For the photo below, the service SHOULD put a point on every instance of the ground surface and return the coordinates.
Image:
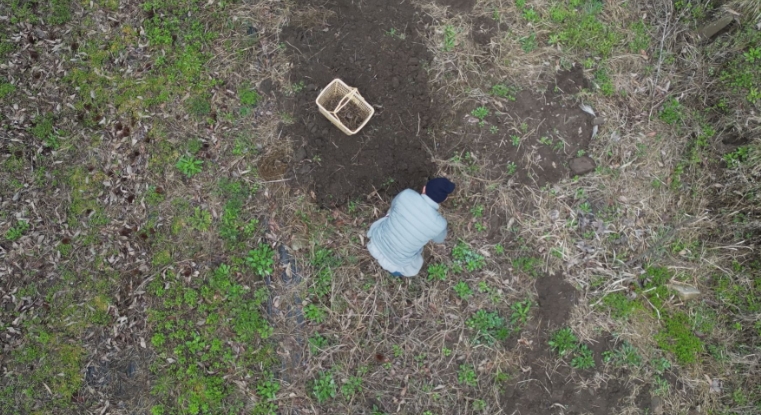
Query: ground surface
(182, 232)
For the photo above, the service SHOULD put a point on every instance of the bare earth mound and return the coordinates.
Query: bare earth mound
(375, 49)
(528, 136)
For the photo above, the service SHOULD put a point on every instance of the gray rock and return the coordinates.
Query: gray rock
(712, 29)
(300, 154)
(598, 121)
(581, 165)
(656, 405)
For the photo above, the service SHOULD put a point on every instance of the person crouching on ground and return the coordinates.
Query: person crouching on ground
(397, 240)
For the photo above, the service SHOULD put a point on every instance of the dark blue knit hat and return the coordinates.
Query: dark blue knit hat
(438, 189)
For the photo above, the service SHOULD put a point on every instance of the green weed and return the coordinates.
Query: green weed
(528, 265)
(467, 375)
(563, 341)
(315, 313)
(467, 258)
(450, 38)
(351, 387)
(528, 43)
(489, 326)
(249, 97)
(189, 166)
(324, 387)
(619, 305)
(317, 343)
(200, 220)
(672, 112)
(14, 233)
(520, 313)
(583, 358)
(261, 260)
(625, 356)
(512, 168)
(480, 113)
(677, 337)
(504, 91)
(437, 272)
(463, 290)
(6, 89)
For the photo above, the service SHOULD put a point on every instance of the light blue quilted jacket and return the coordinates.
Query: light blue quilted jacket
(397, 240)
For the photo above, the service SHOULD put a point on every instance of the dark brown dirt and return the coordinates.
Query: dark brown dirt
(458, 5)
(356, 46)
(484, 29)
(551, 127)
(555, 300)
(545, 388)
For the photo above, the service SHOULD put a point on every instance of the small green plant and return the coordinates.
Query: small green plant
(249, 97)
(199, 106)
(529, 43)
(546, 141)
(511, 168)
(401, 36)
(736, 158)
(494, 129)
(521, 311)
(268, 389)
(677, 337)
(351, 387)
(200, 220)
(477, 211)
(660, 365)
(661, 386)
(619, 305)
(437, 272)
(529, 265)
(316, 343)
(467, 258)
(189, 166)
(479, 405)
(583, 358)
(530, 15)
(315, 313)
(563, 341)
(6, 89)
(624, 356)
(672, 112)
(503, 91)
(499, 249)
(17, 231)
(261, 260)
(488, 325)
(324, 387)
(450, 38)
(467, 375)
(481, 113)
(515, 140)
(463, 290)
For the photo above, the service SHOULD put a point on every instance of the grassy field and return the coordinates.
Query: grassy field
(157, 255)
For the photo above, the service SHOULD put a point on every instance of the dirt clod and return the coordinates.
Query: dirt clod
(581, 165)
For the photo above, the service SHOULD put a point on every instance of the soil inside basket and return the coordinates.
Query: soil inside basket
(351, 116)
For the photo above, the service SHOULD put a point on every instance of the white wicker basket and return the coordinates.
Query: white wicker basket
(348, 95)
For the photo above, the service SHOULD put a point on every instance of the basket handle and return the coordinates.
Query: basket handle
(344, 101)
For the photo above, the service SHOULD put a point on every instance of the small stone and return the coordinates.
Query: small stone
(131, 369)
(581, 165)
(656, 405)
(598, 121)
(684, 291)
(300, 154)
(712, 29)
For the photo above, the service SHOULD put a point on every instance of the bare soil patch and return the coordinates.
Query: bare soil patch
(458, 5)
(375, 49)
(548, 387)
(538, 132)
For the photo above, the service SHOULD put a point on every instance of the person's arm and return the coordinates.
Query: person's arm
(439, 239)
